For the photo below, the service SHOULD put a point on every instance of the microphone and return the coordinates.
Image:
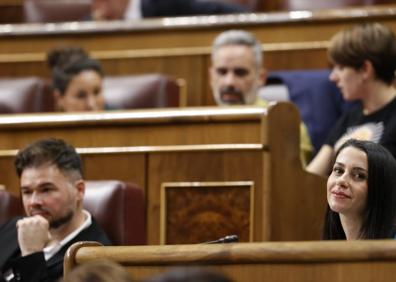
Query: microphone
(223, 240)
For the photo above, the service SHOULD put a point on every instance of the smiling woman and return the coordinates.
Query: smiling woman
(361, 193)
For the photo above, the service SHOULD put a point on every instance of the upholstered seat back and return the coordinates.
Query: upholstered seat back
(24, 95)
(293, 5)
(10, 206)
(48, 11)
(141, 91)
(33, 94)
(319, 101)
(118, 207)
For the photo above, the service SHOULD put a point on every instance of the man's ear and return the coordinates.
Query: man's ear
(262, 76)
(80, 190)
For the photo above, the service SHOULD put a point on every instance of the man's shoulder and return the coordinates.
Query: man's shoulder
(93, 233)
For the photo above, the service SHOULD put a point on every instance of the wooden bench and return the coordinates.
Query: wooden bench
(249, 154)
(180, 47)
(331, 261)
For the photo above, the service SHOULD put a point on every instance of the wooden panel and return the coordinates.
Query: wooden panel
(97, 166)
(211, 166)
(332, 261)
(199, 212)
(124, 167)
(136, 127)
(193, 69)
(195, 145)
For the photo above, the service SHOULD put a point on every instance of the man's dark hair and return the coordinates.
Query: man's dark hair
(49, 151)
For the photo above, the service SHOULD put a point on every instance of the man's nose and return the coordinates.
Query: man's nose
(36, 199)
(230, 78)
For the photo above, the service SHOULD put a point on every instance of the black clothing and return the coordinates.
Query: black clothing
(34, 268)
(379, 126)
(172, 8)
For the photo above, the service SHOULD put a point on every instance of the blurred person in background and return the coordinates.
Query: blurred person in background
(364, 65)
(137, 9)
(98, 271)
(77, 80)
(237, 74)
(190, 274)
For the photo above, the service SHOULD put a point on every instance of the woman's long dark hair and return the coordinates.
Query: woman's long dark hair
(380, 213)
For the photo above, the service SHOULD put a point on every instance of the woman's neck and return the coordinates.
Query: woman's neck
(378, 95)
(352, 226)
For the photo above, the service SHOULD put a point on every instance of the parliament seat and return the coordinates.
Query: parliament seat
(142, 91)
(324, 261)
(24, 95)
(319, 101)
(10, 206)
(33, 94)
(118, 207)
(49, 11)
(293, 5)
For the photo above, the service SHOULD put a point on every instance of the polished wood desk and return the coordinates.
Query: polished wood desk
(180, 47)
(331, 261)
(250, 154)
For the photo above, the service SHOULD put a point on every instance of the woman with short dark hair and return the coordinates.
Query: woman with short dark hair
(364, 65)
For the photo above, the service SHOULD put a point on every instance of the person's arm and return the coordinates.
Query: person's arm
(30, 268)
(321, 163)
(33, 235)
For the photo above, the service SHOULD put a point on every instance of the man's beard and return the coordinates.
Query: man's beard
(240, 98)
(56, 223)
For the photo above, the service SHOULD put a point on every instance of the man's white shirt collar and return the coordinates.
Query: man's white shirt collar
(50, 251)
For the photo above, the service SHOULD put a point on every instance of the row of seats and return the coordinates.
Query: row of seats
(118, 207)
(33, 94)
(317, 98)
(304, 88)
(66, 10)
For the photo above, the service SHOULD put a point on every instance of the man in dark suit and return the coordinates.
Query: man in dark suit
(136, 9)
(52, 189)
